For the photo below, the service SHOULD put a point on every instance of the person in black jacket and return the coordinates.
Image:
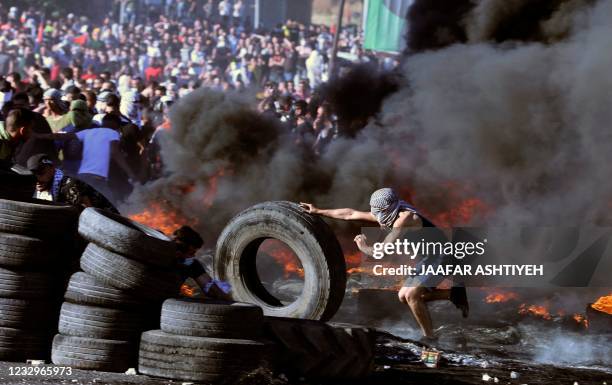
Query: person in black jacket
(53, 185)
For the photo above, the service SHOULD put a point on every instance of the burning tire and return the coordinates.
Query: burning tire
(129, 275)
(19, 251)
(308, 236)
(126, 237)
(100, 323)
(211, 319)
(85, 289)
(314, 349)
(93, 354)
(207, 360)
(38, 218)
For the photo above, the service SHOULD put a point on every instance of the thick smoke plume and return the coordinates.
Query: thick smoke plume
(515, 116)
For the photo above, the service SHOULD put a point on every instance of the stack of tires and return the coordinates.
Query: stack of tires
(128, 270)
(32, 256)
(204, 341)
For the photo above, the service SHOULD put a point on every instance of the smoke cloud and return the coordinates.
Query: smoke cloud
(522, 126)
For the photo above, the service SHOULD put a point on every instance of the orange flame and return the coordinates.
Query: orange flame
(581, 320)
(535, 310)
(187, 291)
(283, 255)
(161, 219)
(501, 296)
(603, 304)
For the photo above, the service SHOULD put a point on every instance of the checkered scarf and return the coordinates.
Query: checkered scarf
(385, 205)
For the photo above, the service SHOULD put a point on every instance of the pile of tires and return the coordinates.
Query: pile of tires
(319, 350)
(312, 241)
(204, 341)
(32, 255)
(128, 270)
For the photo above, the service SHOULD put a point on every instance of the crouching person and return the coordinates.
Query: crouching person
(188, 242)
(53, 185)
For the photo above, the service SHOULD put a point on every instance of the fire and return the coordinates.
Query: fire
(187, 291)
(535, 310)
(581, 320)
(501, 296)
(462, 213)
(283, 255)
(603, 304)
(161, 219)
(211, 190)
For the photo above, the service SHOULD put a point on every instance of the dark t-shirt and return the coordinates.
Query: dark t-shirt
(35, 146)
(194, 270)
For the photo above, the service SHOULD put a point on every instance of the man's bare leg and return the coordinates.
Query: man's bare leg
(413, 297)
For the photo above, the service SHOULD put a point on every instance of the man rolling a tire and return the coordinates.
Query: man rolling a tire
(390, 212)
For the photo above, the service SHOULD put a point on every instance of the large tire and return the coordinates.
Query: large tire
(27, 314)
(85, 289)
(211, 319)
(37, 218)
(126, 237)
(198, 359)
(313, 349)
(100, 323)
(19, 344)
(19, 251)
(311, 240)
(25, 285)
(92, 354)
(129, 275)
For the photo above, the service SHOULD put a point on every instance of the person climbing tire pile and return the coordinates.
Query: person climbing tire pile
(127, 273)
(204, 340)
(30, 288)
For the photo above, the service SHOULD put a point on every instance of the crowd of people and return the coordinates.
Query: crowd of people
(93, 96)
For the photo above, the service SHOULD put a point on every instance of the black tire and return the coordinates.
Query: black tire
(37, 218)
(211, 319)
(313, 349)
(15, 186)
(308, 236)
(126, 274)
(126, 237)
(197, 358)
(92, 354)
(27, 314)
(19, 344)
(100, 323)
(25, 285)
(85, 289)
(19, 251)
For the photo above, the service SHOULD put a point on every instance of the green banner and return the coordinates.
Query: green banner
(385, 25)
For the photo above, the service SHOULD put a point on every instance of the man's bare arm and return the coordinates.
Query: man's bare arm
(345, 214)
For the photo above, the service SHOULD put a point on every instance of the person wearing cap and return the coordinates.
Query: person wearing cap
(52, 185)
(80, 119)
(55, 110)
(101, 145)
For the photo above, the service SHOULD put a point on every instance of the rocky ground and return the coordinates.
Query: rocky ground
(397, 363)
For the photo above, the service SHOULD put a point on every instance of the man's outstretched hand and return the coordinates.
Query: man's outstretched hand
(309, 208)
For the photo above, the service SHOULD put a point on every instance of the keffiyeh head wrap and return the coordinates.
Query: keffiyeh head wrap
(385, 205)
